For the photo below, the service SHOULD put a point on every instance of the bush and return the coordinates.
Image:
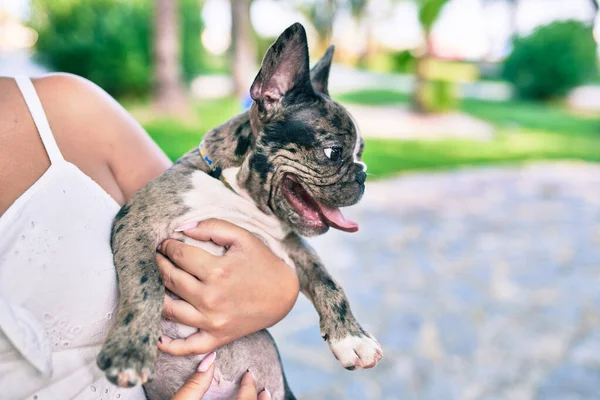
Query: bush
(110, 41)
(552, 60)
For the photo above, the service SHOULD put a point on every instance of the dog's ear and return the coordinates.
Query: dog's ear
(319, 74)
(284, 68)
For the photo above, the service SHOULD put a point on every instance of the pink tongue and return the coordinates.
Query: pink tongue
(335, 219)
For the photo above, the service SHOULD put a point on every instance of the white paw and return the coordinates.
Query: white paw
(355, 352)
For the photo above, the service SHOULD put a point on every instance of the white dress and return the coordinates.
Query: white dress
(58, 287)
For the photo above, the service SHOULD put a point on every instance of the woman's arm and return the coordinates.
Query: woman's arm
(98, 135)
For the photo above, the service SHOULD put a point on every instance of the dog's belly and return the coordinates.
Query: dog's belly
(209, 198)
(221, 391)
(256, 352)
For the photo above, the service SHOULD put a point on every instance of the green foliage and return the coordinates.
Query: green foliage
(552, 60)
(110, 41)
(403, 61)
(429, 11)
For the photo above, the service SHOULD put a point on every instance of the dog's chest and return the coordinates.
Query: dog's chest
(210, 198)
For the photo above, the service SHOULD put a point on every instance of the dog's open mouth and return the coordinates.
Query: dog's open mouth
(311, 210)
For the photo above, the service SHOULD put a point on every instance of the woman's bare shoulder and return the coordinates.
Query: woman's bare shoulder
(93, 129)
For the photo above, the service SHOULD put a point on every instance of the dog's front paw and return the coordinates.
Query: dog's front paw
(356, 351)
(127, 362)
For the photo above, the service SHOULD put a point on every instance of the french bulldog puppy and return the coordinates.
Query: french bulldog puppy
(280, 170)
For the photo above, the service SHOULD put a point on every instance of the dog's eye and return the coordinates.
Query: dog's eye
(333, 153)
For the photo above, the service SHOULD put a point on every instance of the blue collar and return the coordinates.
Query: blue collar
(215, 172)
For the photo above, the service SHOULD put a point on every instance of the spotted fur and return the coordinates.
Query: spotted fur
(285, 131)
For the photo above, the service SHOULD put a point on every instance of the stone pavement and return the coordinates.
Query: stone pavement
(479, 284)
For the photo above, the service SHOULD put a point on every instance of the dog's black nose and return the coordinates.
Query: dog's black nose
(361, 177)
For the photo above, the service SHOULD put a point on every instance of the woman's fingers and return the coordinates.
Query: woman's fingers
(196, 386)
(199, 343)
(264, 395)
(184, 313)
(178, 281)
(247, 388)
(221, 232)
(199, 383)
(190, 258)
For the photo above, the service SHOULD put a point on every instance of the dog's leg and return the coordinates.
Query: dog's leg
(349, 342)
(130, 350)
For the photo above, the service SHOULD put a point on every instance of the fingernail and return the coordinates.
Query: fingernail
(207, 362)
(187, 225)
(252, 373)
(268, 393)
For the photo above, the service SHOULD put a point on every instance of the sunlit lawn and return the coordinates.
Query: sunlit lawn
(526, 131)
(178, 135)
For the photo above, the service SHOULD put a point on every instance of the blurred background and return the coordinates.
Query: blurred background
(477, 264)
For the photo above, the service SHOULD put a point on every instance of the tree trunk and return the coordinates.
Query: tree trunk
(419, 101)
(243, 48)
(369, 48)
(168, 96)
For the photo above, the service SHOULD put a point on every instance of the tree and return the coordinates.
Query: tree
(110, 42)
(358, 9)
(168, 94)
(536, 70)
(242, 46)
(321, 14)
(429, 11)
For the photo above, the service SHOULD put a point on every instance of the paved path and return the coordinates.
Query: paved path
(346, 79)
(400, 122)
(480, 284)
(585, 98)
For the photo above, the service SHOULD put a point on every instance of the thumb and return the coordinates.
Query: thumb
(196, 386)
(200, 342)
(247, 387)
(220, 232)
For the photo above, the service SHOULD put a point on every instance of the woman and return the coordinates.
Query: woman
(70, 156)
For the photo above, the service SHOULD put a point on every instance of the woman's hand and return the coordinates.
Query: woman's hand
(199, 383)
(226, 297)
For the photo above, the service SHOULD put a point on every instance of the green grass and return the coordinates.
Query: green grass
(373, 97)
(528, 115)
(525, 132)
(177, 137)
(389, 157)
(521, 114)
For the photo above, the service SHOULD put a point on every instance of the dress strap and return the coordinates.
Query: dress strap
(39, 118)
